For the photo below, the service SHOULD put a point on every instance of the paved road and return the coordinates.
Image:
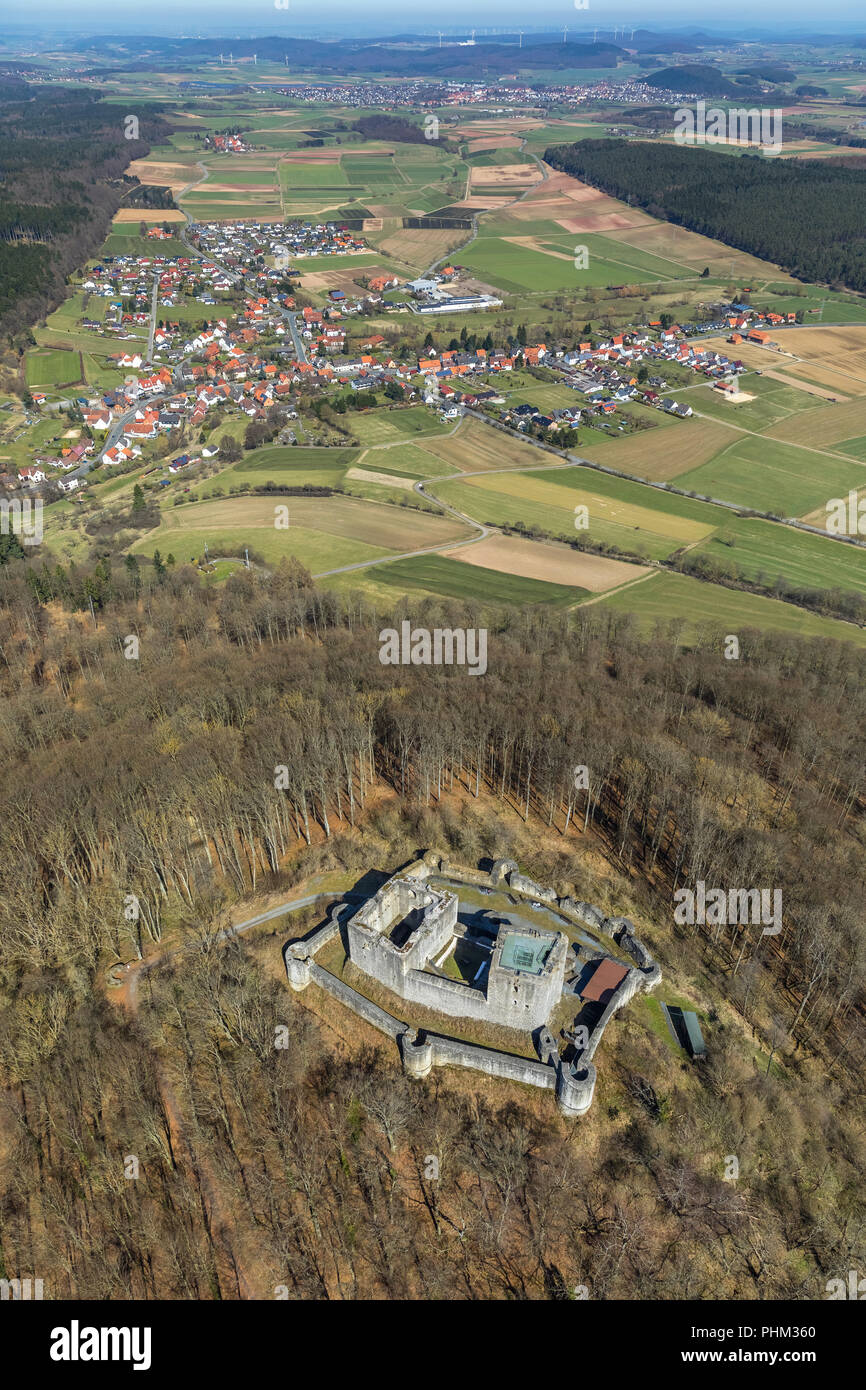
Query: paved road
(153, 306)
(297, 340)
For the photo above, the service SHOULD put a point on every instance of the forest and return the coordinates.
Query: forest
(806, 216)
(64, 154)
(382, 127)
(307, 1168)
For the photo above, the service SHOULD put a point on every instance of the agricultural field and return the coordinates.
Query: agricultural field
(635, 519)
(772, 476)
(762, 550)
(387, 426)
(661, 455)
(553, 564)
(774, 404)
(293, 466)
(445, 577)
(475, 447)
(324, 533)
(690, 606)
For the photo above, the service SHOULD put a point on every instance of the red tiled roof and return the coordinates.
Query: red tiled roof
(604, 981)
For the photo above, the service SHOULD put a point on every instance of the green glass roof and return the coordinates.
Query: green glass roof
(527, 953)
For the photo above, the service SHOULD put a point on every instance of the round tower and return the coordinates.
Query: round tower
(297, 965)
(417, 1054)
(574, 1088)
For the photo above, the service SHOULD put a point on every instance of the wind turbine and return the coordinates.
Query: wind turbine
(472, 39)
(564, 32)
(439, 32)
(520, 44)
(595, 35)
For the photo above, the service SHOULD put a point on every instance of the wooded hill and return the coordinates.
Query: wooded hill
(356, 55)
(155, 778)
(64, 154)
(800, 214)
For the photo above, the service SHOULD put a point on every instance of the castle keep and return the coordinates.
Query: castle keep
(408, 925)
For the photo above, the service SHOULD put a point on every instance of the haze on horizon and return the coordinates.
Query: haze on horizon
(213, 17)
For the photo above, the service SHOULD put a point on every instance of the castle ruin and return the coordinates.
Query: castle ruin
(512, 972)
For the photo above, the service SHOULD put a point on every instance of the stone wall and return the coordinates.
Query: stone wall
(623, 935)
(363, 1007)
(374, 952)
(585, 913)
(573, 1082)
(420, 1054)
(624, 992)
(528, 888)
(444, 995)
(298, 955)
(473, 877)
(452, 1052)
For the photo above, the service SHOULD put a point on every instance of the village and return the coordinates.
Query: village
(263, 351)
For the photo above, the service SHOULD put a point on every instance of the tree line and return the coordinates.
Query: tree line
(803, 215)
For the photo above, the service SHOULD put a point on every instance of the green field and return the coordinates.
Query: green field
(855, 448)
(384, 426)
(293, 465)
(405, 460)
(53, 367)
(316, 176)
(694, 606)
(633, 518)
(774, 401)
(764, 551)
(773, 477)
(438, 574)
(316, 550)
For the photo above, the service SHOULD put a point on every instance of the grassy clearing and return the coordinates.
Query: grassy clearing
(53, 367)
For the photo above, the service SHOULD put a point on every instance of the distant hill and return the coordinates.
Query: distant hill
(452, 60)
(697, 77)
(769, 72)
(645, 41)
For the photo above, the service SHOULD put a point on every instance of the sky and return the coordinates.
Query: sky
(330, 17)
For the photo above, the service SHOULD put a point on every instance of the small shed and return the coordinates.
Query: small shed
(695, 1045)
